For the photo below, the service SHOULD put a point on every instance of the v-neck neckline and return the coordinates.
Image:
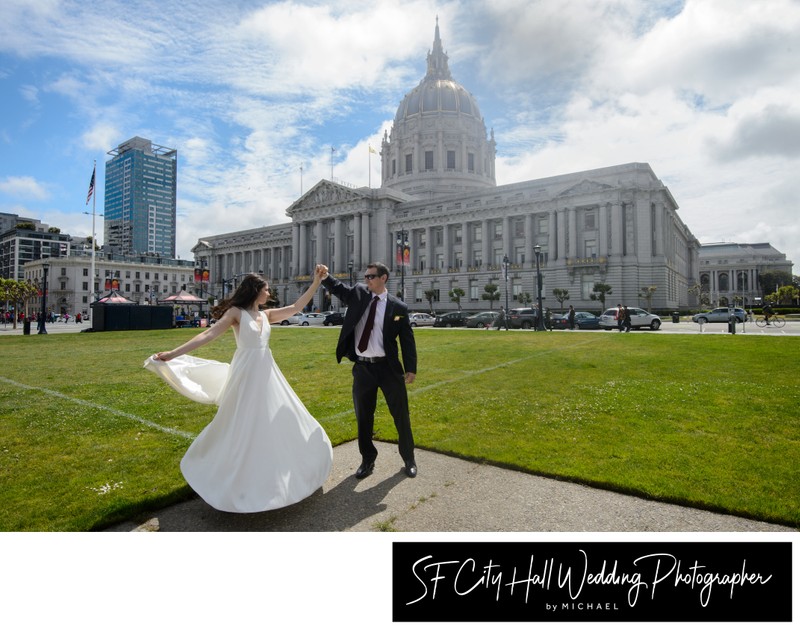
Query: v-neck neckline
(258, 322)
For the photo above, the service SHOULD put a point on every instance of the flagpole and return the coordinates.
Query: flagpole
(369, 167)
(92, 295)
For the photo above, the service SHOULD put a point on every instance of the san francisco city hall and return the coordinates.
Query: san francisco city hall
(438, 198)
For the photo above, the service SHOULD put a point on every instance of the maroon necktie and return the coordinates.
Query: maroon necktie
(364, 341)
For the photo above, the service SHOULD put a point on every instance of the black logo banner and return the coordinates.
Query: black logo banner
(593, 581)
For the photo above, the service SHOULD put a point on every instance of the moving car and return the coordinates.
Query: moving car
(451, 320)
(482, 320)
(522, 318)
(639, 319)
(721, 315)
(421, 319)
(312, 319)
(292, 319)
(584, 320)
(333, 318)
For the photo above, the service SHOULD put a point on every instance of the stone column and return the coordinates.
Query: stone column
(552, 232)
(301, 267)
(530, 238)
(602, 245)
(338, 246)
(466, 245)
(322, 244)
(561, 233)
(356, 244)
(507, 240)
(447, 249)
(429, 247)
(295, 249)
(616, 229)
(488, 239)
(366, 252)
(572, 249)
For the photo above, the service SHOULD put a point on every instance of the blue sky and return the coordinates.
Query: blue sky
(705, 91)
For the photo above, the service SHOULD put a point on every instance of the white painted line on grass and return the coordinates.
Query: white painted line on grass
(116, 412)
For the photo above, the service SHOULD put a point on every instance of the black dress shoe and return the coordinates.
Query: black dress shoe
(365, 470)
(411, 468)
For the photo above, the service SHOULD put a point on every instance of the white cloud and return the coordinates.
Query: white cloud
(24, 187)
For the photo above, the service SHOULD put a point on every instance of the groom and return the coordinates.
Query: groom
(372, 325)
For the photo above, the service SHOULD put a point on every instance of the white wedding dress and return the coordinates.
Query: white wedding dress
(263, 450)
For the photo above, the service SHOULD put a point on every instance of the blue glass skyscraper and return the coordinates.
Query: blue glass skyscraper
(141, 199)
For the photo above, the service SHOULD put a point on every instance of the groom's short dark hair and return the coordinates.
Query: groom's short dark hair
(383, 270)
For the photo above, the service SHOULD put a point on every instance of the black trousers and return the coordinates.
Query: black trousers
(368, 378)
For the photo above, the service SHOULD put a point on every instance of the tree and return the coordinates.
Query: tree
(25, 225)
(54, 230)
(16, 292)
(430, 295)
(456, 293)
(772, 279)
(784, 295)
(702, 296)
(647, 294)
(561, 295)
(600, 291)
(491, 294)
(524, 298)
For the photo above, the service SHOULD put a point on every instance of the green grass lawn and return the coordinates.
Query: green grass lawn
(88, 437)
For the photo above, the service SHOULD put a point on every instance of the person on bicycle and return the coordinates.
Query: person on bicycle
(767, 310)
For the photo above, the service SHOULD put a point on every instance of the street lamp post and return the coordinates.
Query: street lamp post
(537, 249)
(42, 329)
(505, 272)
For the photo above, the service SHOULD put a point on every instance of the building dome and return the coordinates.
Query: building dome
(438, 96)
(438, 144)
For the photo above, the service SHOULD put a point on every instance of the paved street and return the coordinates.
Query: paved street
(686, 327)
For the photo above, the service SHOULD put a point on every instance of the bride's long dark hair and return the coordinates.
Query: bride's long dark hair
(244, 296)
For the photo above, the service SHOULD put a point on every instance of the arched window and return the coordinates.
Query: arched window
(742, 281)
(705, 281)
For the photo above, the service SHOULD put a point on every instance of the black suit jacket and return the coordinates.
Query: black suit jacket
(396, 325)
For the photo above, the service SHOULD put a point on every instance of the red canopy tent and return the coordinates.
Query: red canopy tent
(114, 297)
(182, 297)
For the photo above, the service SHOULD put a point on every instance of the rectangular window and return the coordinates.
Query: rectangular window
(85, 273)
(394, 167)
(477, 233)
(471, 162)
(473, 290)
(519, 255)
(438, 236)
(409, 162)
(428, 160)
(590, 248)
(439, 261)
(418, 292)
(477, 259)
(85, 286)
(519, 228)
(457, 260)
(589, 220)
(457, 235)
(516, 289)
(543, 225)
(422, 262)
(587, 286)
(451, 160)
(498, 229)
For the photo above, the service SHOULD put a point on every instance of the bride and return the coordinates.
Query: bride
(263, 450)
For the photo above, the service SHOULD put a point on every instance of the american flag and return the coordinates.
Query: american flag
(91, 186)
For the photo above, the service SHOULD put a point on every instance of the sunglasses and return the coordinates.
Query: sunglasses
(370, 276)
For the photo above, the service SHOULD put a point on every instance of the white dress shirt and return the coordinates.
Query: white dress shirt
(375, 346)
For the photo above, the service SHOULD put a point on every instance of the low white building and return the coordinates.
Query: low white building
(731, 272)
(141, 279)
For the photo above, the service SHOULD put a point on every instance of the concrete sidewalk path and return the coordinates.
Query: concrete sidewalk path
(449, 495)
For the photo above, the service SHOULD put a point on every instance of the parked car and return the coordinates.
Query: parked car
(451, 320)
(312, 319)
(292, 319)
(482, 320)
(421, 319)
(639, 319)
(583, 320)
(721, 315)
(522, 318)
(333, 318)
